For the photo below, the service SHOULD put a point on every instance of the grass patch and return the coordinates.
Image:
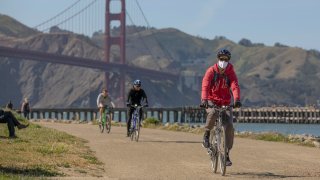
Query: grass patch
(276, 137)
(42, 152)
(92, 159)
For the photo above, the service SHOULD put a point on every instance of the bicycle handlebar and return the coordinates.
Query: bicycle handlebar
(218, 107)
(107, 107)
(136, 106)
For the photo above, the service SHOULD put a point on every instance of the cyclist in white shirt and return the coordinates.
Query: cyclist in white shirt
(103, 101)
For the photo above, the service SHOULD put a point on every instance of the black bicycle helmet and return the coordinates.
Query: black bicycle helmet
(137, 82)
(224, 52)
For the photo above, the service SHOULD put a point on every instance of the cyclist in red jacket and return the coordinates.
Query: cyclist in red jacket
(216, 85)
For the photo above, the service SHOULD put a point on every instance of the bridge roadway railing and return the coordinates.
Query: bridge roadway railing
(191, 115)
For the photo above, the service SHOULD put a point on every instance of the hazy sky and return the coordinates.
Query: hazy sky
(290, 22)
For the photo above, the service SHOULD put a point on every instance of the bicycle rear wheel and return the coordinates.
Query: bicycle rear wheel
(222, 151)
(213, 151)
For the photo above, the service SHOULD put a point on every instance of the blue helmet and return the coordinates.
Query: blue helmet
(224, 52)
(137, 82)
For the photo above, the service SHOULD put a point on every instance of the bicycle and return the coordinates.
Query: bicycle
(218, 149)
(105, 121)
(134, 131)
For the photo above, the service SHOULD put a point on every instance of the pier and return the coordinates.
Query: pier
(194, 115)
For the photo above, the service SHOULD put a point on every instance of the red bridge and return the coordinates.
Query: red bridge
(22, 54)
(69, 17)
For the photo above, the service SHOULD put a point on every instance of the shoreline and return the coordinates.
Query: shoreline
(299, 139)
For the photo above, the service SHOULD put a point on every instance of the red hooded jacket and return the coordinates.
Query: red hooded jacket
(219, 91)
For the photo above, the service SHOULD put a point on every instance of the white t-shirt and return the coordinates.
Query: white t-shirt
(105, 101)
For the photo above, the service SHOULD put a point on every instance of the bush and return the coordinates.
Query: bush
(151, 120)
(245, 42)
(277, 44)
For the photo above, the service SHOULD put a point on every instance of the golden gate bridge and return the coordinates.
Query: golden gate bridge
(87, 17)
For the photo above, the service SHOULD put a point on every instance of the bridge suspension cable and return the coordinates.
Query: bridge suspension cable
(139, 35)
(57, 15)
(80, 17)
(163, 48)
(86, 17)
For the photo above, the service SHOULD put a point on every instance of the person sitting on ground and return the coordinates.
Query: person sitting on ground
(8, 117)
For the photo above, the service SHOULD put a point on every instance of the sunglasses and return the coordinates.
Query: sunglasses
(224, 58)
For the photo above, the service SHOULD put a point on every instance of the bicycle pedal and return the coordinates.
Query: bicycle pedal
(209, 151)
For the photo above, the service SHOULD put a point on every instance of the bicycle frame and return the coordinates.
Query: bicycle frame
(135, 122)
(219, 122)
(135, 117)
(104, 123)
(216, 151)
(105, 113)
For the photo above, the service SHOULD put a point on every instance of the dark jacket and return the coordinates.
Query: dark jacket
(136, 97)
(25, 107)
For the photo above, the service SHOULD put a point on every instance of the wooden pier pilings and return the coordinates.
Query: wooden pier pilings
(298, 115)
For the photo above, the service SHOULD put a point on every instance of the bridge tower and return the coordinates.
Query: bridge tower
(116, 40)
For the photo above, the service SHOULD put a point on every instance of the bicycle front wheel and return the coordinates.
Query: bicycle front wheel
(132, 130)
(222, 151)
(214, 151)
(137, 131)
(102, 126)
(108, 125)
(132, 135)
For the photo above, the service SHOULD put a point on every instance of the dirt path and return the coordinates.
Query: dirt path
(174, 155)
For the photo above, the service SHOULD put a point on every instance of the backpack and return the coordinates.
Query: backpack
(217, 75)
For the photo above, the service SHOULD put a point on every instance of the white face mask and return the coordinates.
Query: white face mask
(222, 64)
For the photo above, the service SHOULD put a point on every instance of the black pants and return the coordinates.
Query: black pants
(11, 122)
(26, 114)
(129, 113)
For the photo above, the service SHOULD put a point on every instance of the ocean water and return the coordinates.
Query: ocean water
(313, 129)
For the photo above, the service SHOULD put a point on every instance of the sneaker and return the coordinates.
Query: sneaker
(206, 136)
(228, 161)
(206, 143)
(22, 126)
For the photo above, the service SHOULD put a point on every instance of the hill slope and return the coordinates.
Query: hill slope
(267, 75)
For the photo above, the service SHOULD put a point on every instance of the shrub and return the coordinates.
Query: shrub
(151, 120)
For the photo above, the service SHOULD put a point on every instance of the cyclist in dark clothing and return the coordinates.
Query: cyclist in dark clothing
(8, 117)
(136, 95)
